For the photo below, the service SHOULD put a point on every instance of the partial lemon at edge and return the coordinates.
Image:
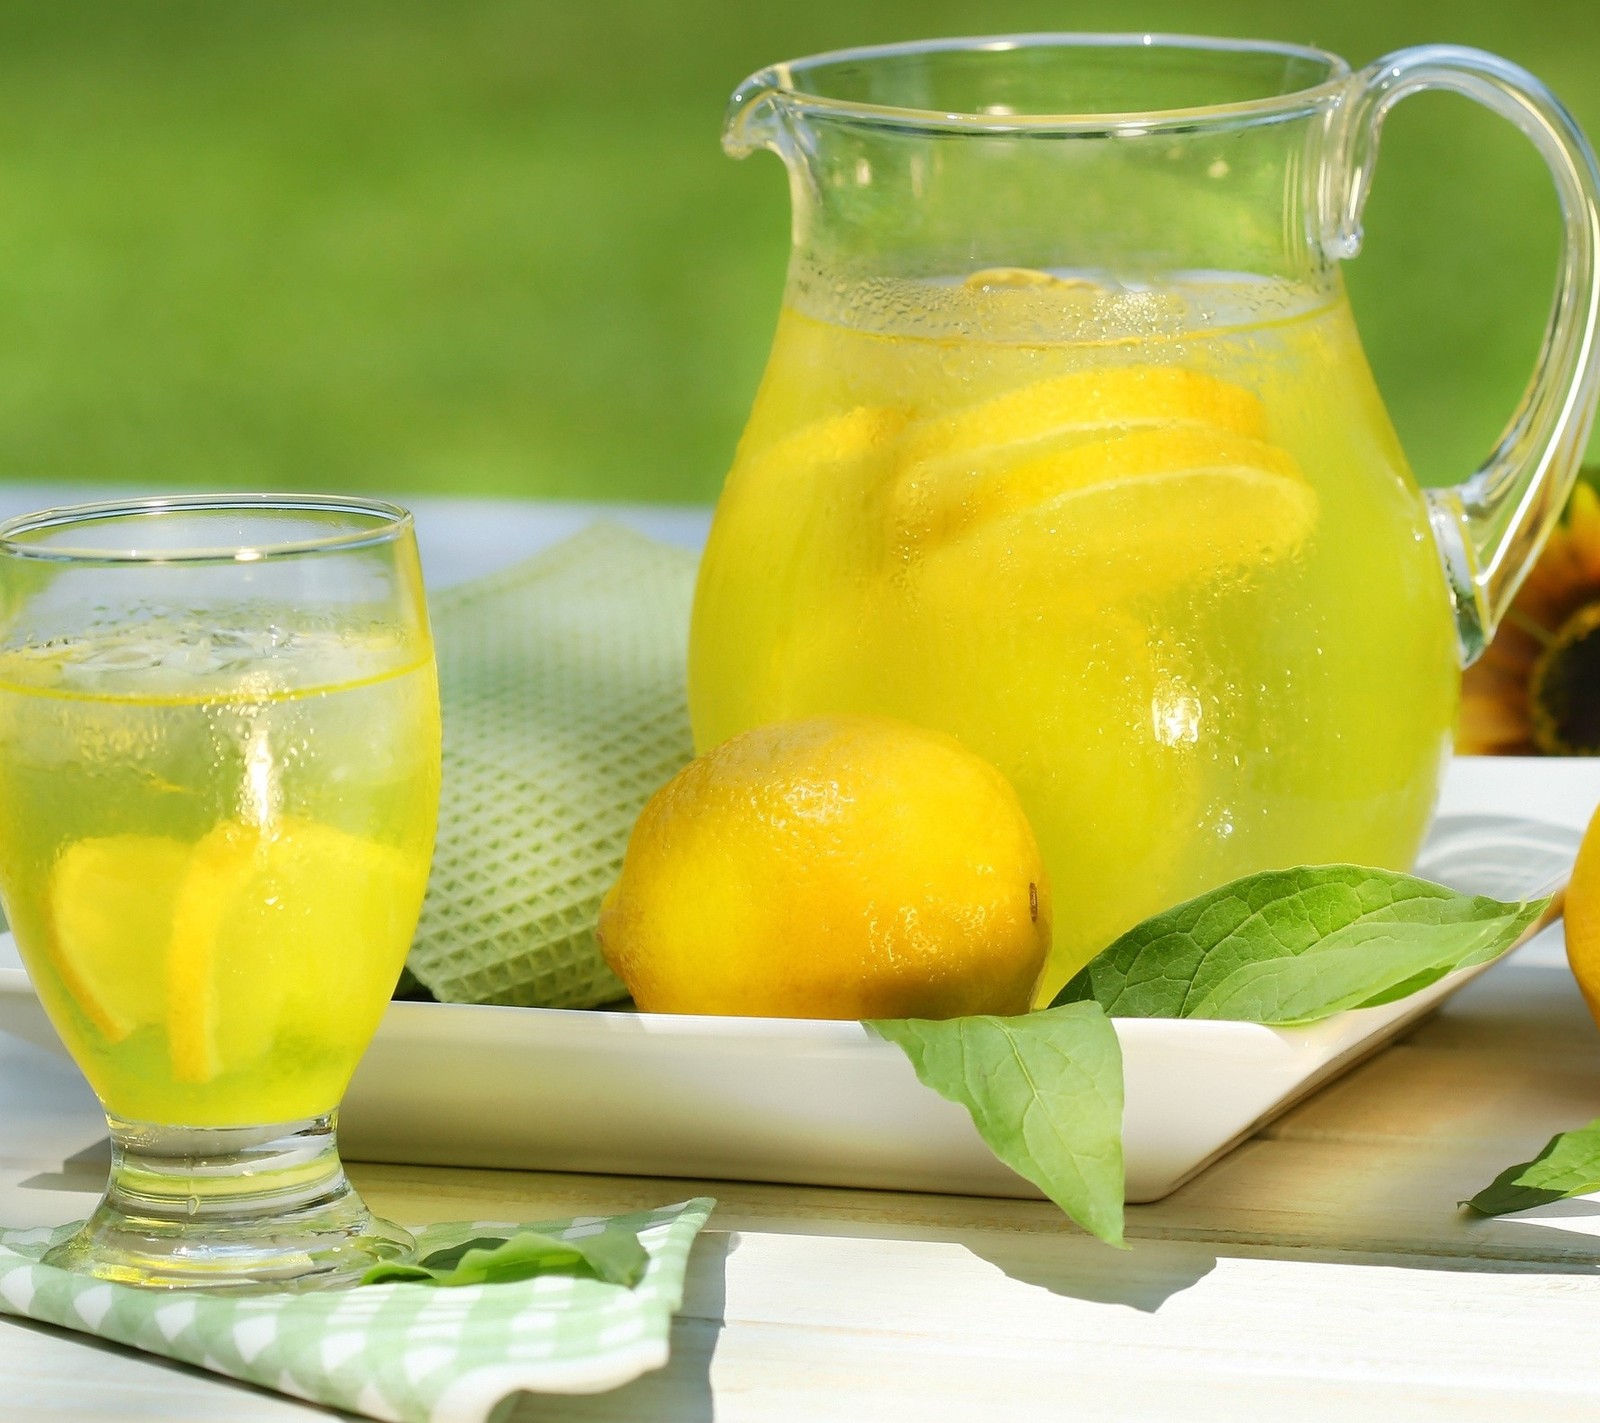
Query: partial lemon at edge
(1582, 914)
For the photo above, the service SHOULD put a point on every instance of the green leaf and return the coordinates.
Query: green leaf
(1569, 1165)
(1044, 1091)
(1293, 946)
(613, 1255)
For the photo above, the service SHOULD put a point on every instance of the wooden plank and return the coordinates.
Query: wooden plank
(772, 1374)
(55, 1376)
(902, 1330)
(1305, 1199)
(778, 1327)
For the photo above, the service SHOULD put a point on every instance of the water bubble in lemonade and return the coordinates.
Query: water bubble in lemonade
(1154, 551)
(215, 846)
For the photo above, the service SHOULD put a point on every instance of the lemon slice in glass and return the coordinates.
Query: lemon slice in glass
(111, 902)
(274, 931)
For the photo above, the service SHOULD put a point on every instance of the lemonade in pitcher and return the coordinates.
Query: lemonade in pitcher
(215, 843)
(1158, 567)
(1067, 446)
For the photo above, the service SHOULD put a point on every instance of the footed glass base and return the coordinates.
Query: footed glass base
(229, 1208)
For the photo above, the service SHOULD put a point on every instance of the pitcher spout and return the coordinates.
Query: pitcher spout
(755, 115)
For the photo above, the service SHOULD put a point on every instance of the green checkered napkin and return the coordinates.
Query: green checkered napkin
(400, 1352)
(562, 682)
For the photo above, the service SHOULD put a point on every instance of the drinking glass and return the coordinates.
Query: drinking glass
(219, 766)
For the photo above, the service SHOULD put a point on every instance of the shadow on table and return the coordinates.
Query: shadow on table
(1082, 1268)
(84, 1170)
(682, 1390)
(1566, 1228)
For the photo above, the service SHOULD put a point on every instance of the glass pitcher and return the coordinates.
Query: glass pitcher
(1067, 445)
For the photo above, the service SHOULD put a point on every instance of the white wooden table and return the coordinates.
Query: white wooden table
(1321, 1271)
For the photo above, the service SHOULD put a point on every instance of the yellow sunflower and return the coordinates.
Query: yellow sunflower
(1536, 690)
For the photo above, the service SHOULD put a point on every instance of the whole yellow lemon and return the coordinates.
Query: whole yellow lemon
(835, 867)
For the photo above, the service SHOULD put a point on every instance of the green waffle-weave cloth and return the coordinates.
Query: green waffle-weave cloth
(400, 1352)
(562, 682)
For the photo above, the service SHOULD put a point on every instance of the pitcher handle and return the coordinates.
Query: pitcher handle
(1490, 529)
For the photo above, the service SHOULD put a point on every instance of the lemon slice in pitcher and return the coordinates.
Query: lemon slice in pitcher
(111, 902)
(1085, 401)
(830, 442)
(1160, 466)
(1157, 507)
(283, 929)
(1256, 490)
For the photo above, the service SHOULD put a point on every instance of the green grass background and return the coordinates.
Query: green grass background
(492, 246)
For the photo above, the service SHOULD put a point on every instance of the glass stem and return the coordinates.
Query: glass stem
(235, 1208)
(197, 1174)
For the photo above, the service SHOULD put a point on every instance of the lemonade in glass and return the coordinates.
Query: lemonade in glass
(219, 758)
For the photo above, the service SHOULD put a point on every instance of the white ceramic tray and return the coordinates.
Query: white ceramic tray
(826, 1103)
